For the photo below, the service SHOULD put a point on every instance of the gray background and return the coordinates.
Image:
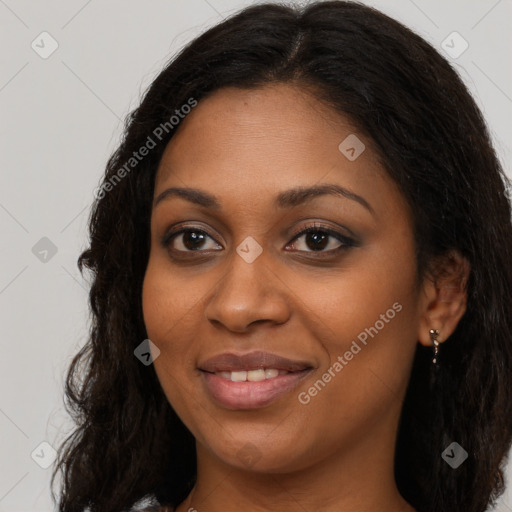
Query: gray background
(61, 117)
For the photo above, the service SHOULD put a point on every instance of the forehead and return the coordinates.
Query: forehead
(241, 131)
(250, 144)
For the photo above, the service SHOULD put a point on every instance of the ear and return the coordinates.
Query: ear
(444, 297)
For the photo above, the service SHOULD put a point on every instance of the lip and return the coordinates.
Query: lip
(230, 362)
(251, 395)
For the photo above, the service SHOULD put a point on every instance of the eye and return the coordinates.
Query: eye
(318, 237)
(190, 240)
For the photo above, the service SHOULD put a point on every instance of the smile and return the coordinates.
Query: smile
(248, 390)
(252, 375)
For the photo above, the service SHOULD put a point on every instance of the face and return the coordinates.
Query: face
(279, 348)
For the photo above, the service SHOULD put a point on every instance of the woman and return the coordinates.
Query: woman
(302, 289)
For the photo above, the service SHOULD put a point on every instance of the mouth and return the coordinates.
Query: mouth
(251, 381)
(256, 375)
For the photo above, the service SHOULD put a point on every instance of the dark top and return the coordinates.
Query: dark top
(153, 508)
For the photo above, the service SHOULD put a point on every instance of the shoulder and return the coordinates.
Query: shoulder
(150, 504)
(155, 508)
(152, 508)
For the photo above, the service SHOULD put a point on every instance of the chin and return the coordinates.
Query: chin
(263, 457)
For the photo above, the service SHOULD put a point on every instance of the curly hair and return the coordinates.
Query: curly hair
(432, 140)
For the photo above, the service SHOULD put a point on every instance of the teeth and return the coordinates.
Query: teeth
(238, 376)
(270, 373)
(256, 375)
(252, 375)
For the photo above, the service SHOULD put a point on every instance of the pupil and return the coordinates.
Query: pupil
(195, 238)
(316, 237)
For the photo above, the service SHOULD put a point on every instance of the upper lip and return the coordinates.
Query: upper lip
(230, 362)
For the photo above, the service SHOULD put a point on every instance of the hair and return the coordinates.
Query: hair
(431, 139)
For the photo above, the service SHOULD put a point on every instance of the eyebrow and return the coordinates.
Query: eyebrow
(287, 199)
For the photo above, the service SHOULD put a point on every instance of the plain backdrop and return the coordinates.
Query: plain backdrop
(61, 118)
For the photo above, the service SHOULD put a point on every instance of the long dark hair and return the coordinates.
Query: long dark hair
(432, 140)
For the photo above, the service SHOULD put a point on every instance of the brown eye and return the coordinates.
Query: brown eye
(189, 241)
(318, 238)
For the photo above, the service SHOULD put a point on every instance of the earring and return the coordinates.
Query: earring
(433, 336)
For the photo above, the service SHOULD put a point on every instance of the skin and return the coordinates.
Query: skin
(335, 452)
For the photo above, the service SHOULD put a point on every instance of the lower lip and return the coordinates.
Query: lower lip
(250, 395)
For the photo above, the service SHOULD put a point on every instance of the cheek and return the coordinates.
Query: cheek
(169, 300)
(164, 314)
(172, 306)
(167, 313)
(367, 316)
(346, 303)
(367, 364)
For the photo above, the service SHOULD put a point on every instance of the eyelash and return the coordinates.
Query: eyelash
(315, 228)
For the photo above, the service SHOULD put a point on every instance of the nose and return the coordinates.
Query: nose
(248, 293)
